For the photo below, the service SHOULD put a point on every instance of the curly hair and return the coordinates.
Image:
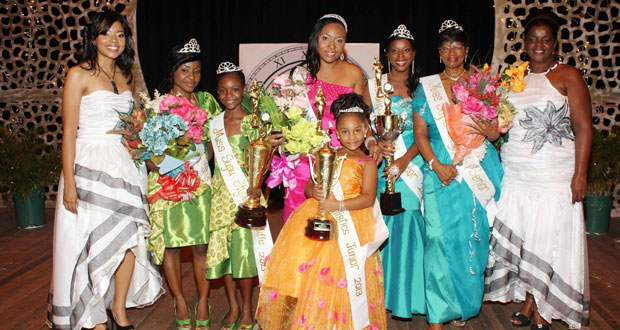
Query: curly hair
(313, 59)
(347, 101)
(99, 24)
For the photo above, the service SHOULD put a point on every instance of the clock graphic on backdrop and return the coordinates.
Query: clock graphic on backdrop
(280, 60)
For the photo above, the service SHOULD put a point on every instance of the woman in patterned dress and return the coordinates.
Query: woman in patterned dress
(183, 223)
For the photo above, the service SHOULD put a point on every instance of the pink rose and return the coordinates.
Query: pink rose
(341, 283)
(490, 88)
(303, 267)
(489, 112)
(274, 295)
(322, 303)
(472, 106)
(460, 92)
(302, 320)
(324, 271)
(311, 262)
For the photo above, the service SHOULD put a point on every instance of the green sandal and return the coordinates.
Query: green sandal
(246, 326)
(203, 324)
(231, 325)
(185, 324)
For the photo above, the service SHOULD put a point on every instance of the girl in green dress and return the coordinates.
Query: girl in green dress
(186, 222)
(230, 253)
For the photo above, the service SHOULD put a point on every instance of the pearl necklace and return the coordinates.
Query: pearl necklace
(454, 78)
(544, 73)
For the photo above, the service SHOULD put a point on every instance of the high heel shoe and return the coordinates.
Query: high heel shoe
(230, 325)
(203, 324)
(185, 324)
(115, 325)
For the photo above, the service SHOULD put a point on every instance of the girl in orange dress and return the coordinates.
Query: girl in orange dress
(305, 284)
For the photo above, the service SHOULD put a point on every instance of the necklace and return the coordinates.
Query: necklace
(544, 73)
(454, 78)
(111, 78)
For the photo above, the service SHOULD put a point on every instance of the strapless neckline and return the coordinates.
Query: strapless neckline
(105, 90)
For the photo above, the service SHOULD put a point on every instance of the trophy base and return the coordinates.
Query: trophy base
(319, 230)
(391, 204)
(251, 217)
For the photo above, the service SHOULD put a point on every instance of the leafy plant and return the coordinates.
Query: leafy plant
(604, 169)
(26, 162)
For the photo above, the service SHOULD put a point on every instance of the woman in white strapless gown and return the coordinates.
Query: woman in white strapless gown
(538, 244)
(100, 260)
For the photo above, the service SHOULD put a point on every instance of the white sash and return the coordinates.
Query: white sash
(300, 74)
(474, 175)
(202, 167)
(354, 258)
(412, 175)
(237, 185)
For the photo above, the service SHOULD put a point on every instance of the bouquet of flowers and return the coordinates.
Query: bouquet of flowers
(166, 127)
(484, 97)
(290, 95)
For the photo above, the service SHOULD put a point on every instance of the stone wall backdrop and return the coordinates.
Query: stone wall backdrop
(590, 41)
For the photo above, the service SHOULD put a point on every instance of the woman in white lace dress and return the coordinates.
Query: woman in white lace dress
(100, 260)
(538, 245)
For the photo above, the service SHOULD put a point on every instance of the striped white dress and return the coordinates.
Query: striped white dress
(111, 219)
(538, 243)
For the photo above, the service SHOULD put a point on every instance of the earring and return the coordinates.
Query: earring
(413, 66)
(389, 68)
(440, 59)
(342, 56)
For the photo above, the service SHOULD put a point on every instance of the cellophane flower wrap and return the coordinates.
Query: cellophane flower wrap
(165, 125)
(289, 93)
(483, 96)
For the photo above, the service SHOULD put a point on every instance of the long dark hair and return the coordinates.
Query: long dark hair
(175, 60)
(99, 24)
(313, 59)
(454, 35)
(413, 78)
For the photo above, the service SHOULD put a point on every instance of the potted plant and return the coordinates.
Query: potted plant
(27, 164)
(603, 175)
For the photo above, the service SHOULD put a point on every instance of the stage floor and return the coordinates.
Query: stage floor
(26, 265)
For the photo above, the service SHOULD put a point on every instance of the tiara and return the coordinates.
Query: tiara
(449, 24)
(226, 67)
(338, 17)
(354, 109)
(190, 47)
(401, 32)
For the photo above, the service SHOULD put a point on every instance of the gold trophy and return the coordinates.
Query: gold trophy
(257, 156)
(325, 172)
(388, 128)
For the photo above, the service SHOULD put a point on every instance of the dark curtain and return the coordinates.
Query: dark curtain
(220, 26)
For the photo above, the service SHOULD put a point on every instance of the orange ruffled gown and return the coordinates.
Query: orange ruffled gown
(305, 283)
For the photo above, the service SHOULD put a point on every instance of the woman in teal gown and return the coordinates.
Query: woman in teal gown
(403, 251)
(457, 229)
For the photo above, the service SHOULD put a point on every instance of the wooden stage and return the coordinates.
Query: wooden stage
(26, 265)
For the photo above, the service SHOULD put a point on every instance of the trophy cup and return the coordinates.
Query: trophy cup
(324, 172)
(257, 156)
(388, 128)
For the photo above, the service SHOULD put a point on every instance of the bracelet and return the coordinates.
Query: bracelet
(430, 164)
(368, 139)
(342, 207)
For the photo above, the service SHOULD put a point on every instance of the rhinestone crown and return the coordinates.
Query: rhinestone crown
(226, 67)
(190, 47)
(449, 24)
